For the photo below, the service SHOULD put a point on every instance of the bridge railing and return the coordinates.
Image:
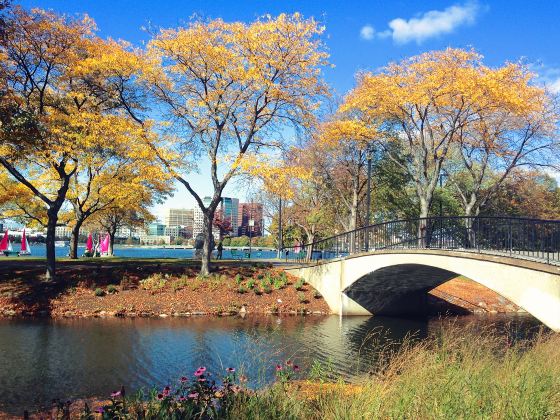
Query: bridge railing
(517, 237)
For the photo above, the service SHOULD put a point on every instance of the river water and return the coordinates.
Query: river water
(75, 358)
(38, 250)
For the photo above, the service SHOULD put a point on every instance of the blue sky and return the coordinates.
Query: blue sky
(360, 35)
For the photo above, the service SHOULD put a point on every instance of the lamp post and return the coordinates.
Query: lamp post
(280, 228)
(368, 196)
(441, 210)
(251, 224)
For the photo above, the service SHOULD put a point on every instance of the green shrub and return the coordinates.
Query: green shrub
(279, 283)
(111, 289)
(317, 295)
(99, 292)
(241, 290)
(257, 291)
(238, 279)
(180, 283)
(301, 297)
(260, 276)
(299, 284)
(251, 284)
(154, 282)
(267, 280)
(266, 288)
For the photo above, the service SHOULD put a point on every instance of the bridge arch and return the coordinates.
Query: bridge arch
(392, 282)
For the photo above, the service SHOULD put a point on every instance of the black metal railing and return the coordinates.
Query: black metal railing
(517, 237)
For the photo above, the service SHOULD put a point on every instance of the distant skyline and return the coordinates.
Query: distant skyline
(360, 35)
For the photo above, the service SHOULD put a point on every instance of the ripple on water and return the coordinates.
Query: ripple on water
(75, 358)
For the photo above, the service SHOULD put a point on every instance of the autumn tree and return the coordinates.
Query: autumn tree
(526, 193)
(58, 95)
(517, 129)
(229, 90)
(422, 103)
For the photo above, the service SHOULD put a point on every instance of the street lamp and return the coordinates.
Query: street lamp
(251, 225)
(368, 197)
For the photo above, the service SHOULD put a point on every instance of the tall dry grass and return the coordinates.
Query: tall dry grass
(457, 373)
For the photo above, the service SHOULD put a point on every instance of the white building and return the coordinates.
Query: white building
(198, 217)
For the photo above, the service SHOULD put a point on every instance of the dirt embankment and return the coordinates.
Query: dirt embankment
(142, 288)
(156, 289)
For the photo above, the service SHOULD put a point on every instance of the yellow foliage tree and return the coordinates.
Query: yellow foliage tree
(426, 104)
(59, 92)
(230, 89)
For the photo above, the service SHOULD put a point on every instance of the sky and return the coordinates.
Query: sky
(360, 35)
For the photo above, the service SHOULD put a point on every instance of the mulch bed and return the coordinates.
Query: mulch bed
(23, 293)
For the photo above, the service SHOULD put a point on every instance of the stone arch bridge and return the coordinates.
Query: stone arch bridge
(388, 268)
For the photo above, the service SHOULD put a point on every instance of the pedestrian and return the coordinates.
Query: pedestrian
(220, 249)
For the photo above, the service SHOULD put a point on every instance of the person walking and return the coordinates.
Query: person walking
(220, 248)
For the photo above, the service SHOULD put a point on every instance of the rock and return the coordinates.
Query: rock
(243, 310)
(9, 312)
(102, 313)
(163, 315)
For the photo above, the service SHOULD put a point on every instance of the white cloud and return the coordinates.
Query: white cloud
(367, 32)
(430, 24)
(554, 86)
(547, 76)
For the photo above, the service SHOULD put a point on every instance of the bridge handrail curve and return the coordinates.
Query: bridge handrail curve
(521, 237)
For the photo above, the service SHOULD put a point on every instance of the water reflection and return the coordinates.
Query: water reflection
(74, 358)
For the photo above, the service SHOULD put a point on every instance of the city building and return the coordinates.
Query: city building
(248, 212)
(63, 232)
(226, 211)
(179, 217)
(179, 232)
(156, 229)
(155, 239)
(229, 213)
(198, 220)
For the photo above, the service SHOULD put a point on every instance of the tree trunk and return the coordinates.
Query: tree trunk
(112, 234)
(49, 242)
(208, 240)
(74, 239)
(423, 222)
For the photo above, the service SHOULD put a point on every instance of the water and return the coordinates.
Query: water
(39, 250)
(76, 358)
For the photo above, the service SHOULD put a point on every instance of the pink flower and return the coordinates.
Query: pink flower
(200, 371)
(202, 379)
(182, 399)
(296, 368)
(230, 370)
(289, 363)
(242, 378)
(278, 368)
(166, 391)
(184, 379)
(115, 394)
(193, 395)
(160, 396)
